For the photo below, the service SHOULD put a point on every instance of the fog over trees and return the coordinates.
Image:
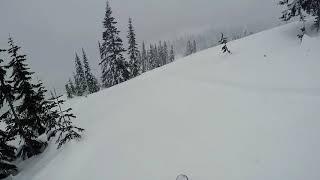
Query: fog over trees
(67, 32)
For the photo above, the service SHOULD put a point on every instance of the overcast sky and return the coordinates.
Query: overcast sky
(50, 31)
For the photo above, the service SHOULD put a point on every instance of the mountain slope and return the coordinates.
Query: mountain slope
(245, 116)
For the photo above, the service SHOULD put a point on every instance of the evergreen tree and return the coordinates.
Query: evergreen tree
(156, 56)
(223, 41)
(296, 8)
(114, 67)
(7, 152)
(7, 155)
(162, 53)
(72, 87)
(144, 58)
(316, 12)
(45, 108)
(172, 54)
(77, 85)
(161, 58)
(30, 114)
(63, 126)
(101, 57)
(152, 57)
(30, 124)
(91, 81)
(189, 48)
(7, 91)
(133, 51)
(68, 91)
(194, 47)
(148, 65)
(100, 50)
(80, 79)
(165, 53)
(140, 64)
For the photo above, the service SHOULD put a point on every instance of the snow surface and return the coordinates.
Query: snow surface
(252, 115)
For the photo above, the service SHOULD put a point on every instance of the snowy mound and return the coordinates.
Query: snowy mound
(251, 115)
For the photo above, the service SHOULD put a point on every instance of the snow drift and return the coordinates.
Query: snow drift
(250, 115)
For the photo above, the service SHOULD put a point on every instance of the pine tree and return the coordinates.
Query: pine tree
(7, 152)
(77, 85)
(316, 13)
(31, 114)
(101, 64)
(68, 91)
(100, 50)
(91, 80)
(172, 54)
(63, 126)
(223, 41)
(157, 56)
(29, 125)
(152, 57)
(148, 65)
(45, 108)
(114, 66)
(7, 155)
(144, 58)
(165, 53)
(133, 51)
(194, 46)
(72, 87)
(160, 55)
(6, 91)
(80, 79)
(140, 64)
(188, 49)
(296, 8)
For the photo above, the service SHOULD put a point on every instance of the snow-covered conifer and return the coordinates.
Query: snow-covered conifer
(294, 8)
(189, 48)
(172, 54)
(144, 58)
(165, 53)
(29, 125)
(63, 126)
(113, 64)
(194, 46)
(91, 81)
(133, 51)
(80, 79)
(7, 152)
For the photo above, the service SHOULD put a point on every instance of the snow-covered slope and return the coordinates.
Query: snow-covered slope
(252, 115)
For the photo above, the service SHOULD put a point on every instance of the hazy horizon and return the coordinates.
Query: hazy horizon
(51, 31)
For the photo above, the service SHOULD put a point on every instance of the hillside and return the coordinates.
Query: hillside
(246, 116)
